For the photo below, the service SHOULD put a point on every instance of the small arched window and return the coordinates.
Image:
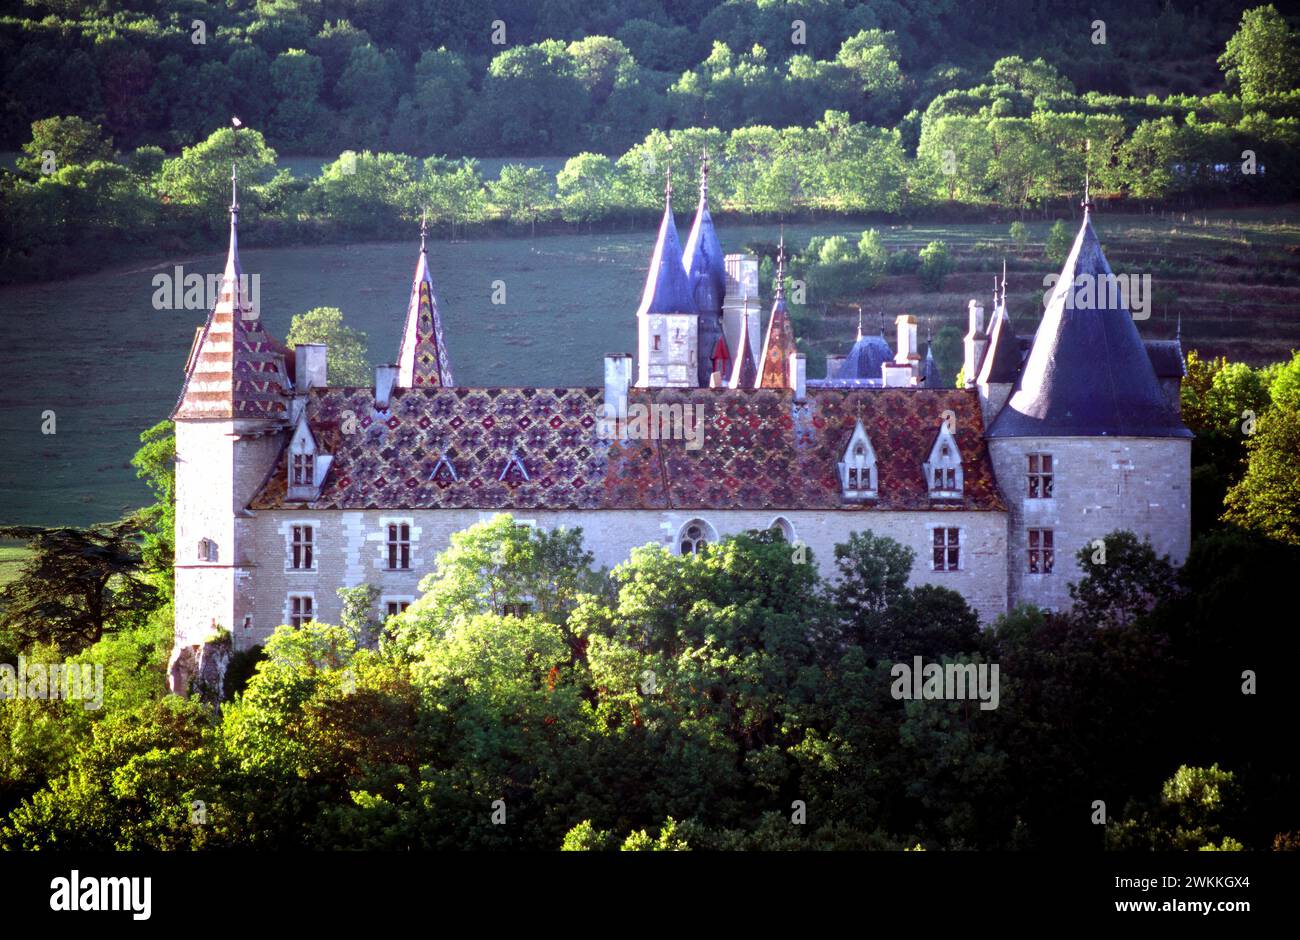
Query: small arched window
(694, 537)
(782, 528)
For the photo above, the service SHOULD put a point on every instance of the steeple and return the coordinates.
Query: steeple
(1002, 360)
(779, 347)
(1088, 373)
(706, 271)
(744, 374)
(667, 287)
(236, 368)
(422, 360)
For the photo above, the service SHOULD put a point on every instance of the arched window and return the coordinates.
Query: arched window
(694, 536)
(782, 527)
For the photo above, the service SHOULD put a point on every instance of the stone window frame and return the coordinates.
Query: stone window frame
(208, 550)
(1040, 479)
(950, 466)
(394, 543)
(783, 525)
(401, 600)
(296, 618)
(933, 529)
(859, 446)
(1041, 558)
(708, 536)
(312, 544)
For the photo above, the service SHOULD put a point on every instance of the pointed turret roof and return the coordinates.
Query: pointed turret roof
(778, 347)
(667, 287)
(1002, 361)
(236, 368)
(1087, 374)
(422, 360)
(929, 368)
(744, 374)
(703, 253)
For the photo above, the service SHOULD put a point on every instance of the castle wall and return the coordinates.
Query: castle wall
(350, 549)
(1100, 485)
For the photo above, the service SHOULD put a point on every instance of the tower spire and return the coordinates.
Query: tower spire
(780, 266)
(704, 175)
(422, 359)
(859, 321)
(1087, 180)
(424, 229)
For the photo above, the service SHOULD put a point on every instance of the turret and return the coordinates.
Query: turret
(422, 359)
(708, 277)
(667, 321)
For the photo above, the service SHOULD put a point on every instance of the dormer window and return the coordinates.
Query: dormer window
(307, 466)
(943, 470)
(304, 469)
(858, 468)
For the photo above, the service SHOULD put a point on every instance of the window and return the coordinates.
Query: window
(300, 548)
(399, 547)
(694, 537)
(1041, 556)
(943, 469)
(304, 470)
(947, 549)
(300, 609)
(520, 609)
(656, 342)
(1040, 476)
(207, 550)
(782, 528)
(858, 467)
(394, 608)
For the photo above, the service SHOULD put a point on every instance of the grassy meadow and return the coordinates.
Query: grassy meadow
(95, 352)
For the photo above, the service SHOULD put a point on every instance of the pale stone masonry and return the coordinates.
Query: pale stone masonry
(288, 488)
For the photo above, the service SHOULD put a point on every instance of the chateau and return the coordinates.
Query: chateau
(288, 488)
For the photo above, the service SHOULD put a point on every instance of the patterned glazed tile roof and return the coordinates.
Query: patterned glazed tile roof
(236, 368)
(760, 450)
(422, 359)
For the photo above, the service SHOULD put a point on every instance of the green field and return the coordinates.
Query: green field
(11, 561)
(95, 352)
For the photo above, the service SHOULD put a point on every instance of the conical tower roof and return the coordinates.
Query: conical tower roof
(1002, 361)
(1088, 373)
(667, 287)
(422, 360)
(703, 254)
(236, 368)
(744, 373)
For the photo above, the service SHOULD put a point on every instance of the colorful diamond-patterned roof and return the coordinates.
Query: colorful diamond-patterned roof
(236, 369)
(761, 450)
(422, 360)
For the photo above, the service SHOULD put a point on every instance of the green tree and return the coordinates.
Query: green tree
(936, 264)
(72, 141)
(200, 176)
(522, 191)
(1267, 497)
(1019, 235)
(1122, 580)
(1197, 805)
(347, 358)
(75, 585)
(1059, 242)
(155, 463)
(1263, 56)
(585, 187)
(873, 572)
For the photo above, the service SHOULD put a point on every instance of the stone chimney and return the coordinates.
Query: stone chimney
(618, 376)
(908, 353)
(385, 378)
(833, 364)
(799, 376)
(974, 344)
(896, 374)
(309, 366)
(741, 303)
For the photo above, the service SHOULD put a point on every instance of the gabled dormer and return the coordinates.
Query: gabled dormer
(943, 474)
(306, 464)
(857, 468)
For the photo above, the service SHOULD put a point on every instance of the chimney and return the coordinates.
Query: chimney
(309, 365)
(385, 378)
(908, 353)
(974, 344)
(833, 364)
(618, 376)
(896, 374)
(799, 376)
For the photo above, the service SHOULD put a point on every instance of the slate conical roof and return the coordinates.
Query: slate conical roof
(1001, 363)
(1088, 373)
(667, 287)
(866, 358)
(744, 373)
(703, 254)
(707, 274)
(422, 360)
(236, 368)
(778, 347)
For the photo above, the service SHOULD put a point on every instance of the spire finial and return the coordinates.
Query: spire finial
(704, 175)
(424, 227)
(780, 266)
(1004, 282)
(882, 322)
(1178, 329)
(235, 125)
(668, 177)
(1087, 179)
(859, 321)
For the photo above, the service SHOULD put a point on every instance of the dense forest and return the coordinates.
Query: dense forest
(807, 108)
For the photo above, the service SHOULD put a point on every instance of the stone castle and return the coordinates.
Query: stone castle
(288, 488)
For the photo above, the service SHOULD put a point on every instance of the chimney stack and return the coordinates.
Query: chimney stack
(309, 366)
(908, 353)
(799, 376)
(974, 344)
(833, 364)
(385, 378)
